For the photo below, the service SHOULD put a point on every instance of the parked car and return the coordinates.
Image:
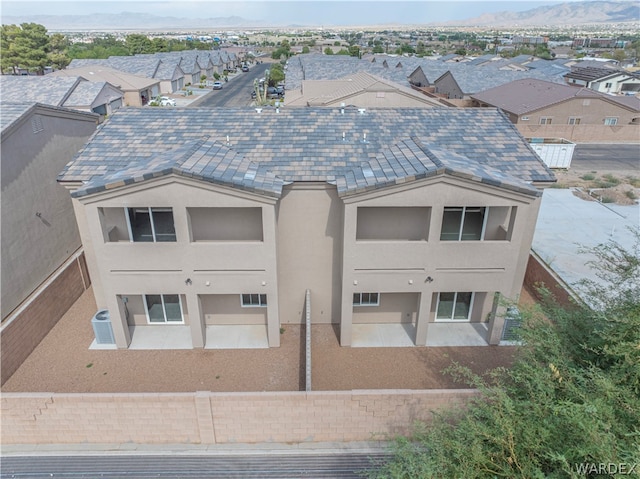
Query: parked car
(275, 92)
(217, 85)
(162, 101)
(245, 68)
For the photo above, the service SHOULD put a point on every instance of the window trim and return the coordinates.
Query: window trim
(545, 120)
(455, 300)
(462, 220)
(164, 311)
(151, 220)
(261, 303)
(366, 304)
(574, 120)
(608, 119)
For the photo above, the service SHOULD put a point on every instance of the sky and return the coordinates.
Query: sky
(285, 12)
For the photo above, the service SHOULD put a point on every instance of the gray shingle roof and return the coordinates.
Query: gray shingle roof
(10, 112)
(267, 150)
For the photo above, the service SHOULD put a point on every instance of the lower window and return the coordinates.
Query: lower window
(163, 308)
(454, 306)
(366, 299)
(253, 300)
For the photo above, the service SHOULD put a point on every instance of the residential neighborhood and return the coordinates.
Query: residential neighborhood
(268, 244)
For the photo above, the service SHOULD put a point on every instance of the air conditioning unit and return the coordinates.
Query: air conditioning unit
(102, 329)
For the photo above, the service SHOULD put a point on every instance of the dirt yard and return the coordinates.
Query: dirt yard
(621, 187)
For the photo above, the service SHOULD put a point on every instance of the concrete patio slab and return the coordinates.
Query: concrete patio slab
(252, 336)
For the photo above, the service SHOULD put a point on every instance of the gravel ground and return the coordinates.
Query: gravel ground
(62, 363)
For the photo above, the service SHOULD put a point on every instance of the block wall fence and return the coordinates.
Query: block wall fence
(219, 418)
(23, 330)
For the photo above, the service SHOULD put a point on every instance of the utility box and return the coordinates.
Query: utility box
(102, 329)
(555, 152)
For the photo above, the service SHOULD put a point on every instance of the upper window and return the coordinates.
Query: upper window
(366, 299)
(151, 224)
(608, 85)
(163, 308)
(454, 306)
(574, 120)
(253, 300)
(545, 120)
(611, 121)
(463, 223)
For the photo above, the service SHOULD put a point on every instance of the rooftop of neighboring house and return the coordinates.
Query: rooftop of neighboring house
(527, 95)
(321, 93)
(41, 89)
(470, 77)
(263, 151)
(72, 92)
(12, 112)
(590, 73)
(124, 81)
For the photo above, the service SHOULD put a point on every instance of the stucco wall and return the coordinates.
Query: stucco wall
(39, 230)
(309, 252)
(583, 133)
(218, 418)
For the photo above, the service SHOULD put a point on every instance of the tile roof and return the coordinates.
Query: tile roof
(124, 81)
(527, 95)
(36, 89)
(470, 77)
(267, 150)
(10, 112)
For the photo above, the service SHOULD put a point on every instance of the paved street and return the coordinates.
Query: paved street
(608, 157)
(236, 92)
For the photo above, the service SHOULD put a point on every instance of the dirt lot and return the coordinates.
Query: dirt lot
(63, 363)
(621, 187)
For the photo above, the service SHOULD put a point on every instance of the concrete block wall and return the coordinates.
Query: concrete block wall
(218, 418)
(22, 331)
(538, 274)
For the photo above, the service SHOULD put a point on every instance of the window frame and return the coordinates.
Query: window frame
(610, 120)
(453, 309)
(262, 300)
(462, 222)
(545, 120)
(369, 303)
(574, 120)
(164, 309)
(154, 235)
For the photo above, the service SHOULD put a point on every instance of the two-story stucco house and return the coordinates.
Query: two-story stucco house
(193, 219)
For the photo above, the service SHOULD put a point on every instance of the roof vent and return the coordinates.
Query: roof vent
(342, 108)
(258, 110)
(362, 110)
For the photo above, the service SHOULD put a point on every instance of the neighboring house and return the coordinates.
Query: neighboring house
(72, 92)
(416, 218)
(604, 80)
(166, 71)
(40, 239)
(360, 89)
(137, 90)
(453, 81)
(550, 110)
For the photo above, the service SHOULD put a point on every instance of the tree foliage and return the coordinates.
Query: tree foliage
(29, 47)
(569, 403)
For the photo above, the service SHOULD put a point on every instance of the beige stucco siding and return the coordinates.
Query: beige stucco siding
(227, 309)
(182, 267)
(393, 308)
(309, 251)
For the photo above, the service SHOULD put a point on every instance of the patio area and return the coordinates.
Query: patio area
(63, 361)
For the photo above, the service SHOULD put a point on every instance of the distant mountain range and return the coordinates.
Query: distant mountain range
(129, 21)
(570, 13)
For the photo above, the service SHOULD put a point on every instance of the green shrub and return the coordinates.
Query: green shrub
(588, 177)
